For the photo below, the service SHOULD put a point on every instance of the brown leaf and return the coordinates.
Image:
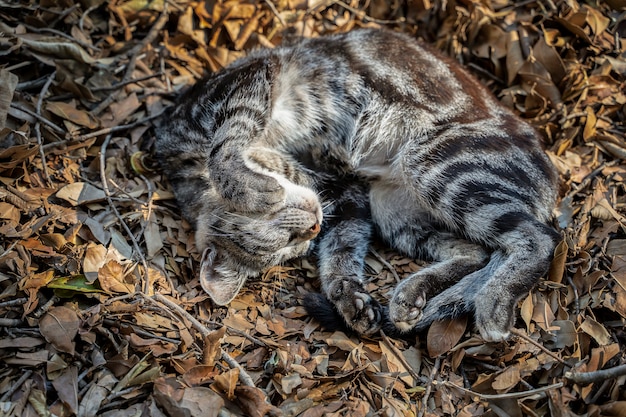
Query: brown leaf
(66, 386)
(68, 111)
(228, 381)
(8, 82)
(59, 326)
(178, 400)
(444, 335)
(80, 193)
(112, 278)
(557, 267)
(596, 330)
(253, 401)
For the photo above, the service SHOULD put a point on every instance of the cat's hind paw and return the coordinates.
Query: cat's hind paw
(405, 312)
(495, 327)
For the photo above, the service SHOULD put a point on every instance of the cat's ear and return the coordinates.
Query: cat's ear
(222, 284)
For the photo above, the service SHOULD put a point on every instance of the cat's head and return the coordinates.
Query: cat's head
(238, 245)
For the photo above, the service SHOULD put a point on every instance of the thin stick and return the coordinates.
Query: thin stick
(431, 379)
(124, 83)
(273, 8)
(62, 35)
(585, 182)
(521, 394)
(16, 386)
(386, 264)
(9, 322)
(42, 153)
(134, 53)
(38, 117)
(101, 132)
(9, 249)
(15, 302)
(241, 333)
(365, 17)
(524, 336)
(107, 194)
(400, 357)
(244, 377)
(584, 378)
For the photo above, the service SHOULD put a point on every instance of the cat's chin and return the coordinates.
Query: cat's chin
(293, 251)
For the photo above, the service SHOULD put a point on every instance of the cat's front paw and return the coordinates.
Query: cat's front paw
(361, 312)
(405, 310)
(266, 195)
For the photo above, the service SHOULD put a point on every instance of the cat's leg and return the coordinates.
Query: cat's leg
(454, 258)
(341, 251)
(409, 229)
(527, 247)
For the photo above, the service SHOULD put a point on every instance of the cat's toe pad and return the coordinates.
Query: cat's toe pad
(405, 314)
(361, 312)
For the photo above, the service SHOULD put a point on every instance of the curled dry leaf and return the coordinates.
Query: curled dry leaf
(114, 279)
(178, 400)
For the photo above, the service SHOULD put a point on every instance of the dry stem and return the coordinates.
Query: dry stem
(244, 377)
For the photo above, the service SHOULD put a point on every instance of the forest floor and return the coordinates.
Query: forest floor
(101, 311)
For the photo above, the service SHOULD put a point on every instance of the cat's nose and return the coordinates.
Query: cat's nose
(312, 232)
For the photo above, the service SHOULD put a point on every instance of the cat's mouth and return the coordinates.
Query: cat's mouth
(301, 236)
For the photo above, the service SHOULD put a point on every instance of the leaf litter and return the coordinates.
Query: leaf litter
(101, 311)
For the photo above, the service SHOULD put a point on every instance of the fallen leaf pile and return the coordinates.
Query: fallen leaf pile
(101, 311)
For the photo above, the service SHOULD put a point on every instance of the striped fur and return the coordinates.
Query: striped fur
(365, 133)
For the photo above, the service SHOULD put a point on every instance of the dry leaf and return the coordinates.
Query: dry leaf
(80, 193)
(444, 335)
(59, 326)
(112, 278)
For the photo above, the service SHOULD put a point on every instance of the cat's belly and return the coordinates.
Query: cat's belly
(399, 218)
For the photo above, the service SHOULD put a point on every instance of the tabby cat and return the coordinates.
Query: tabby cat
(331, 140)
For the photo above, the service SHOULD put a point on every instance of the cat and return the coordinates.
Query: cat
(322, 144)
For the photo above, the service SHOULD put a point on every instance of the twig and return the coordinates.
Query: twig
(16, 386)
(101, 132)
(81, 22)
(584, 378)
(38, 117)
(527, 338)
(244, 377)
(521, 394)
(9, 322)
(14, 302)
(124, 83)
(570, 281)
(62, 35)
(431, 379)
(386, 264)
(107, 194)
(364, 16)
(585, 182)
(278, 16)
(400, 357)
(9, 249)
(63, 14)
(42, 153)
(46, 306)
(240, 333)
(134, 53)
